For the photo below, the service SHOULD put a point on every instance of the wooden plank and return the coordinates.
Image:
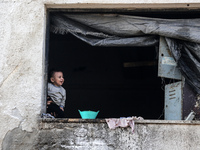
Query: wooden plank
(139, 64)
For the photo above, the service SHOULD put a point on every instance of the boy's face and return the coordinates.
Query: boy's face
(57, 79)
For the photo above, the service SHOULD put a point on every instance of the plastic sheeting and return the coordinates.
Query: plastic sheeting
(187, 56)
(182, 36)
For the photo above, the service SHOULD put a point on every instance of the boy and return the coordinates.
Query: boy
(56, 95)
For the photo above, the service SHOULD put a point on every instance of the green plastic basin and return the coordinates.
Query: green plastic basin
(88, 114)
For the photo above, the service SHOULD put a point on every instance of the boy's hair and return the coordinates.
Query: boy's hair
(52, 72)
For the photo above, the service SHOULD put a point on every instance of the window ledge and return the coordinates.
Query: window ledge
(78, 120)
(72, 120)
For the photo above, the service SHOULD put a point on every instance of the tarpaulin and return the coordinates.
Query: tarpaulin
(182, 35)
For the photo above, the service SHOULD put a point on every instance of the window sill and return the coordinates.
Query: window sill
(78, 120)
(72, 120)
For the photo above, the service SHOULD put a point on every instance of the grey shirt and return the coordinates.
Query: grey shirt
(57, 94)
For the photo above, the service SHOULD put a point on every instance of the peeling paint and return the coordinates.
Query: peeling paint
(16, 113)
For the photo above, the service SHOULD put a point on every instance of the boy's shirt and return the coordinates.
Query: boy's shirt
(57, 94)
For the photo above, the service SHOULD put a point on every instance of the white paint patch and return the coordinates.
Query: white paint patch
(15, 113)
(82, 132)
(98, 142)
(169, 61)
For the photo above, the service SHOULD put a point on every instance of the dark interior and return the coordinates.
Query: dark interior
(98, 78)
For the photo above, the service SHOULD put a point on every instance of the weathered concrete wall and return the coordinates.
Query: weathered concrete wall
(54, 134)
(22, 45)
(149, 135)
(21, 57)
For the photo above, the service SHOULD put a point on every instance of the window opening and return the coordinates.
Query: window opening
(118, 81)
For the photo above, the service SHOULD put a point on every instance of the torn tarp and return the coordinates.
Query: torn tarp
(187, 56)
(123, 30)
(102, 35)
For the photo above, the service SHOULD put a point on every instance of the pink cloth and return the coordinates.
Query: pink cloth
(122, 122)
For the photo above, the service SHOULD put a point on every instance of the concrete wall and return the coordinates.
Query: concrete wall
(81, 135)
(148, 135)
(21, 65)
(22, 45)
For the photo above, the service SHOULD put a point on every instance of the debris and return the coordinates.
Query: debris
(47, 115)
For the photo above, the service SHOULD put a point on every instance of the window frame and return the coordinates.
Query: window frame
(103, 8)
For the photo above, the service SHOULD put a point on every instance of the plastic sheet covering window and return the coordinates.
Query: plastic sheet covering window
(182, 36)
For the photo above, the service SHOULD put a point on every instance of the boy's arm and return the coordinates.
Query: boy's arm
(63, 100)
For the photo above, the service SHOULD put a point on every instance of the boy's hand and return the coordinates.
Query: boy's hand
(49, 102)
(62, 108)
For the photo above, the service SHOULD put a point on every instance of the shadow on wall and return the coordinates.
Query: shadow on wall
(18, 139)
